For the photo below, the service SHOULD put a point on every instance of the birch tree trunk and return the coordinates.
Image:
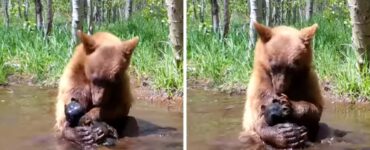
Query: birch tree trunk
(50, 15)
(301, 14)
(38, 10)
(273, 14)
(128, 9)
(97, 11)
(76, 19)
(268, 12)
(226, 22)
(201, 12)
(309, 9)
(360, 16)
(194, 9)
(26, 7)
(215, 16)
(102, 11)
(6, 12)
(19, 8)
(175, 17)
(90, 19)
(254, 16)
(294, 12)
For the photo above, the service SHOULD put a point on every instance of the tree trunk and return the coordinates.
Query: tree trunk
(360, 16)
(201, 12)
(309, 9)
(128, 9)
(26, 7)
(273, 14)
(226, 22)
(280, 11)
(175, 17)
(38, 10)
(6, 12)
(97, 11)
(194, 9)
(295, 12)
(76, 19)
(268, 12)
(114, 14)
(90, 20)
(19, 8)
(50, 15)
(215, 16)
(102, 11)
(254, 16)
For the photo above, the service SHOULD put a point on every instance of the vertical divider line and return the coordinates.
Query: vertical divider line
(184, 98)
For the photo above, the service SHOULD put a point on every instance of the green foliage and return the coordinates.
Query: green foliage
(156, 9)
(228, 63)
(224, 63)
(25, 52)
(153, 58)
(337, 10)
(335, 59)
(28, 54)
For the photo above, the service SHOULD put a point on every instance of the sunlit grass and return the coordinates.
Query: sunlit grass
(26, 53)
(228, 63)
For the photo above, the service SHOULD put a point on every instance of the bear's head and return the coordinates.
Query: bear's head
(107, 58)
(284, 53)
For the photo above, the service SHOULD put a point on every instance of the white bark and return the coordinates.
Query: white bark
(226, 22)
(215, 16)
(128, 9)
(360, 16)
(38, 10)
(76, 19)
(26, 7)
(301, 14)
(175, 17)
(268, 12)
(6, 12)
(194, 9)
(97, 11)
(255, 14)
(50, 15)
(90, 19)
(201, 11)
(19, 8)
(309, 9)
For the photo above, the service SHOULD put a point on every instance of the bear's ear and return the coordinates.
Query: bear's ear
(130, 45)
(87, 41)
(309, 32)
(264, 32)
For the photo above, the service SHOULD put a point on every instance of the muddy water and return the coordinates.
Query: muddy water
(214, 122)
(27, 118)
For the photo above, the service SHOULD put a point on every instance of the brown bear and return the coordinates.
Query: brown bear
(96, 76)
(283, 66)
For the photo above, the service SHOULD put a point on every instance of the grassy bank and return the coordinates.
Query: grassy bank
(26, 53)
(228, 63)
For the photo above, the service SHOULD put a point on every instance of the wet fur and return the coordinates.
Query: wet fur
(76, 82)
(287, 47)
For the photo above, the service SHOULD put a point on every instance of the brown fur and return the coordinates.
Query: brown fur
(283, 65)
(96, 76)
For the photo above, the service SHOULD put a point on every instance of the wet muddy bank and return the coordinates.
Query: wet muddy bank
(27, 120)
(142, 90)
(224, 118)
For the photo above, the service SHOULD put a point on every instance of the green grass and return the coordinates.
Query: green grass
(24, 52)
(228, 63)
